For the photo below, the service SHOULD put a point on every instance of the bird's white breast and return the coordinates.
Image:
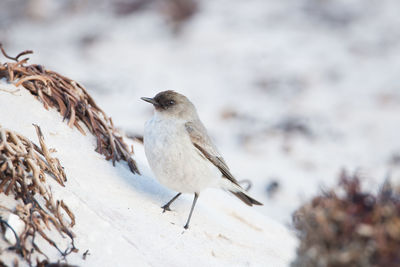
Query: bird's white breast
(175, 161)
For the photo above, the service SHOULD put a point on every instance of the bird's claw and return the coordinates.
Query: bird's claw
(165, 208)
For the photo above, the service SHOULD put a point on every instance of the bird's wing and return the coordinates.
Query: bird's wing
(199, 137)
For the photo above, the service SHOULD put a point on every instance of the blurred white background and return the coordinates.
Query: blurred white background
(291, 91)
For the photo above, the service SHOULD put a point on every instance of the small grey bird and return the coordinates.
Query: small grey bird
(181, 154)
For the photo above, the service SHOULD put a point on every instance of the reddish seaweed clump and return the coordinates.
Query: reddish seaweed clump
(350, 227)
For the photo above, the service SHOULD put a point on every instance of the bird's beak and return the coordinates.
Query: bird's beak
(150, 100)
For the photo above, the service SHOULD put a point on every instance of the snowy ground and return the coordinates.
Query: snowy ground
(118, 214)
(290, 91)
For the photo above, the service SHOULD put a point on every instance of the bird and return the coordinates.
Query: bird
(181, 154)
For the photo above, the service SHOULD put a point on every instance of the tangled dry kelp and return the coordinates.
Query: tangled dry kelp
(73, 102)
(23, 171)
(350, 228)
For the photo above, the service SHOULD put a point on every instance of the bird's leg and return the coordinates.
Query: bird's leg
(196, 196)
(166, 206)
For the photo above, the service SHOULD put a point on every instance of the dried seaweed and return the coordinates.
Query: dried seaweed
(45, 263)
(23, 171)
(350, 227)
(176, 12)
(73, 102)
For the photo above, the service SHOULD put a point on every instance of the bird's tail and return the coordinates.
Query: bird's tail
(245, 198)
(238, 191)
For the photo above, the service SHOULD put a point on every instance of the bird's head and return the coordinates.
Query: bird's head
(172, 104)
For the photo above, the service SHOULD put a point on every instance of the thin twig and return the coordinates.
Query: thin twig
(17, 240)
(18, 56)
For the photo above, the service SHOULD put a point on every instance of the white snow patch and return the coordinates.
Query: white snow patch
(118, 214)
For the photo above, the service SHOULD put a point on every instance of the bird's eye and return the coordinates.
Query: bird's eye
(172, 102)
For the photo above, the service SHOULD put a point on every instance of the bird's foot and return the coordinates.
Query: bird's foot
(166, 208)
